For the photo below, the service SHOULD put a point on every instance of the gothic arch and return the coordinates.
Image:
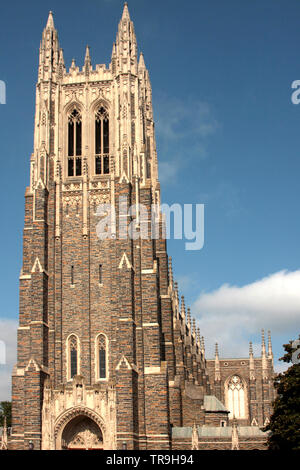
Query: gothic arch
(67, 112)
(97, 103)
(69, 107)
(69, 415)
(97, 348)
(235, 389)
(101, 137)
(68, 356)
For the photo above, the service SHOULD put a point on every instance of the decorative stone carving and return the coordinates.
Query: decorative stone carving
(76, 401)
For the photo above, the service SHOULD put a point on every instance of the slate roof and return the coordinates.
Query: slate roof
(218, 432)
(211, 403)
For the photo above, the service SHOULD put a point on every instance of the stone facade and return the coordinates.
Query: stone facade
(108, 357)
(256, 378)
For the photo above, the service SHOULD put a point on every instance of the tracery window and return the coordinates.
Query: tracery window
(236, 397)
(101, 357)
(101, 142)
(73, 356)
(74, 144)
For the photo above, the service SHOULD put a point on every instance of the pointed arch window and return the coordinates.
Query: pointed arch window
(73, 356)
(236, 397)
(101, 357)
(74, 143)
(101, 142)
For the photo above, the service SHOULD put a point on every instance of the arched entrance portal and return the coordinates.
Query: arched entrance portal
(82, 433)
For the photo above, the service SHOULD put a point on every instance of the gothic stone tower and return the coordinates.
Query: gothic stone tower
(101, 340)
(108, 356)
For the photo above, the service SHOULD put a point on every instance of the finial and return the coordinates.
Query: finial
(142, 61)
(217, 351)
(202, 346)
(250, 349)
(189, 316)
(194, 327)
(270, 352)
(61, 57)
(182, 310)
(198, 336)
(50, 22)
(87, 55)
(263, 344)
(125, 15)
(170, 271)
(73, 64)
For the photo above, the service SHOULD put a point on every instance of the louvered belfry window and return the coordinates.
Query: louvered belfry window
(74, 144)
(101, 142)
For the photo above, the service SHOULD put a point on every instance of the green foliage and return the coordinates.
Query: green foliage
(5, 411)
(284, 424)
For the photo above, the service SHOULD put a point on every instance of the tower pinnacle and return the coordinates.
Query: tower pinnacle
(217, 363)
(263, 344)
(49, 51)
(125, 15)
(50, 21)
(142, 62)
(270, 352)
(125, 50)
(216, 351)
(87, 59)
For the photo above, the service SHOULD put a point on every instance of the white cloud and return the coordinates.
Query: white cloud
(182, 129)
(231, 314)
(8, 334)
(178, 119)
(168, 171)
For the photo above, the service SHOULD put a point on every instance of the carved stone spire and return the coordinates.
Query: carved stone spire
(189, 317)
(183, 313)
(251, 362)
(125, 15)
(198, 337)
(126, 47)
(170, 272)
(49, 51)
(73, 65)
(203, 346)
(142, 65)
(264, 356)
(176, 293)
(217, 364)
(270, 352)
(87, 60)
(50, 22)
(216, 351)
(263, 344)
(194, 327)
(61, 64)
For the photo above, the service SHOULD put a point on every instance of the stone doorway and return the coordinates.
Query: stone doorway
(82, 433)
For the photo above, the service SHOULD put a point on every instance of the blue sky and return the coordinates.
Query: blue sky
(228, 136)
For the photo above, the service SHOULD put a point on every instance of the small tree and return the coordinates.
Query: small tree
(284, 423)
(5, 411)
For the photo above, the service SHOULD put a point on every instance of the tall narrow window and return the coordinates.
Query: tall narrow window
(74, 144)
(101, 351)
(72, 275)
(73, 356)
(101, 142)
(236, 397)
(100, 273)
